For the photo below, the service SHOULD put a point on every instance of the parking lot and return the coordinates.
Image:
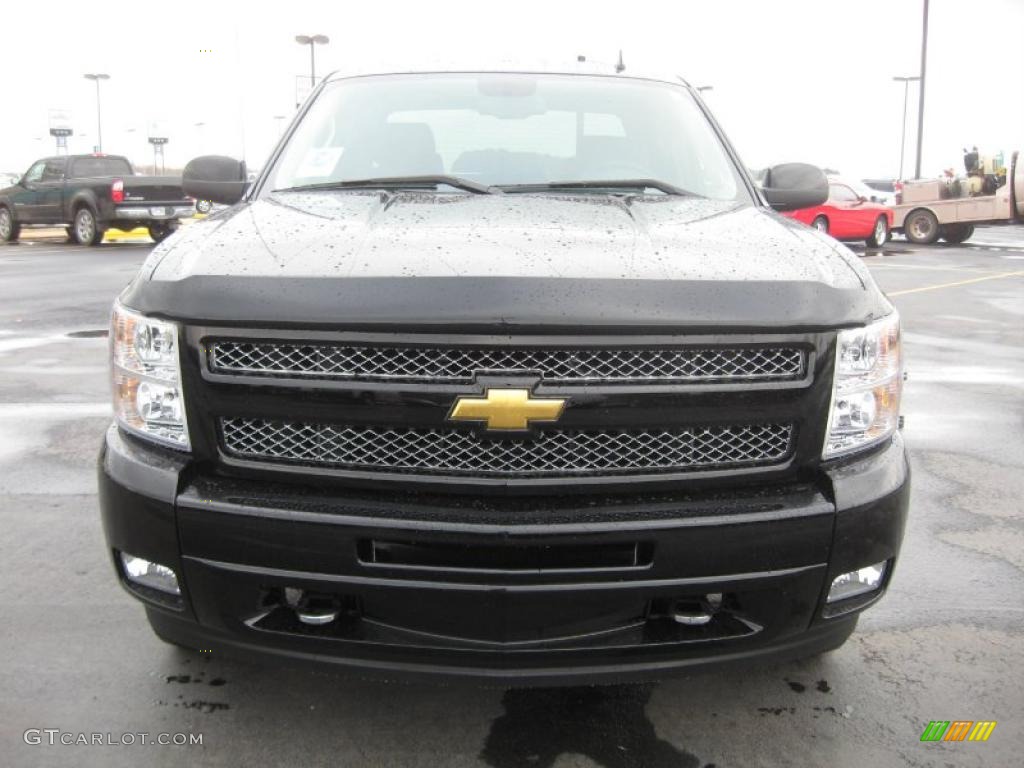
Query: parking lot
(945, 644)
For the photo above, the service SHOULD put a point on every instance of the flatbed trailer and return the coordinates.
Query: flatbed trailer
(924, 216)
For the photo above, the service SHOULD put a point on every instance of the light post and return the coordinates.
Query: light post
(312, 41)
(920, 100)
(96, 77)
(903, 133)
(199, 129)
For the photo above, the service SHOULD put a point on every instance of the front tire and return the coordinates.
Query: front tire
(820, 223)
(10, 230)
(86, 229)
(921, 227)
(954, 234)
(880, 234)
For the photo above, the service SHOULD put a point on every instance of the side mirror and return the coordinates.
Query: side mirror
(217, 178)
(791, 186)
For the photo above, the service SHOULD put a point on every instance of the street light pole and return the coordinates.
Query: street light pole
(199, 129)
(920, 100)
(903, 132)
(312, 41)
(96, 77)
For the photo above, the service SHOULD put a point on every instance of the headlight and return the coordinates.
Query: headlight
(867, 386)
(146, 378)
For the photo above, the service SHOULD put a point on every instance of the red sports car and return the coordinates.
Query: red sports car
(848, 216)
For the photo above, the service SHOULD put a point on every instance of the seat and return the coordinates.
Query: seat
(500, 166)
(406, 149)
(604, 157)
(392, 149)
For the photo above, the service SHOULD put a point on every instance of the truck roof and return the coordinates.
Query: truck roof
(585, 68)
(88, 155)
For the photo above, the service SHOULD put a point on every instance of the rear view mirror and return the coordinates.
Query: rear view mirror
(791, 186)
(216, 178)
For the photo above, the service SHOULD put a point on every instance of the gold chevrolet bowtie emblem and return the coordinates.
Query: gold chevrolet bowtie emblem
(507, 409)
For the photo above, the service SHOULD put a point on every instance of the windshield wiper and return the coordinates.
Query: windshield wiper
(393, 182)
(637, 184)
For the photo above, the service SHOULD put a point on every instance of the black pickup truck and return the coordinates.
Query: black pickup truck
(504, 375)
(89, 194)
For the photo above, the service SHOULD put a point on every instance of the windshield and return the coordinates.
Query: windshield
(507, 129)
(99, 167)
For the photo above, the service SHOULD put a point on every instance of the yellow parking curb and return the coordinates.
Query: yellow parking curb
(117, 236)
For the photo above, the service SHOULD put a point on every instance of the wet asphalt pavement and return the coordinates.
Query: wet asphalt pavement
(947, 643)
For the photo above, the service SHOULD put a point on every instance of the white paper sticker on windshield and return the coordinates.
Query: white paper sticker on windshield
(319, 162)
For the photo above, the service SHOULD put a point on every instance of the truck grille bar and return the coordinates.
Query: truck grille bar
(461, 364)
(551, 454)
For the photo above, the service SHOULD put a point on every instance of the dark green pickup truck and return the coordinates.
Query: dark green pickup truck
(89, 194)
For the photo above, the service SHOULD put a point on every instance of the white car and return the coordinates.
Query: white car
(863, 190)
(873, 193)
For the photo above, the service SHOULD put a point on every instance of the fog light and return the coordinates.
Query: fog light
(152, 575)
(856, 583)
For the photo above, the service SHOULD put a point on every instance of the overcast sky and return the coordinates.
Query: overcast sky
(806, 80)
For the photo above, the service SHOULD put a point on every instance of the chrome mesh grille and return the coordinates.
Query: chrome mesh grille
(460, 364)
(552, 453)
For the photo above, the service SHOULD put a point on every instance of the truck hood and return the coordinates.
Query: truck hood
(569, 260)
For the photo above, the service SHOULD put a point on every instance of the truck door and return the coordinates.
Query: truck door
(50, 192)
(26, 195)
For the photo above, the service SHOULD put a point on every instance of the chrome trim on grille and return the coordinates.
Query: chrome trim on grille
(461, 364)
(551, 453)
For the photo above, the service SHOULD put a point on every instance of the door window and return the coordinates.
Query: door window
(53, 170)
(35, 173)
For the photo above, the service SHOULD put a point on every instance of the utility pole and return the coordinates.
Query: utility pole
(903, 132)
(96, 77)
(920, 100)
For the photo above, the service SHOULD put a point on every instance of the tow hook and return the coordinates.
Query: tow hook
(697, 613)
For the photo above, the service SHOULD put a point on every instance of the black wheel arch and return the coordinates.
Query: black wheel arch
(84, 197)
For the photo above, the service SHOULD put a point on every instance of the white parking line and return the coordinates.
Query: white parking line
(56, 370)
(30, 342)
(52, 410)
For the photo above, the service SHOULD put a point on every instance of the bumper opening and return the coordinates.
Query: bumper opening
(505, 557)
(283, 614)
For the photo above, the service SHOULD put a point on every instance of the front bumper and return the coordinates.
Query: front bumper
(531, 590)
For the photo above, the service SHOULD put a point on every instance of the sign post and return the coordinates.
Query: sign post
(60, 128)
(158, 142)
